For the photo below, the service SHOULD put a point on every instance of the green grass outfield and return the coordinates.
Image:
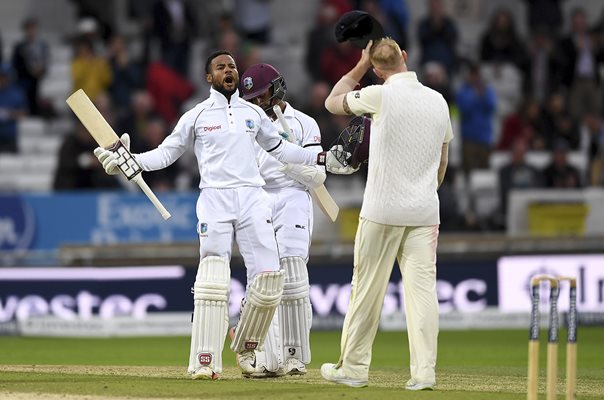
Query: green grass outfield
(471, 365)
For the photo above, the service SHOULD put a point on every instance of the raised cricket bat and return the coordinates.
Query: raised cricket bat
(106, 137)
(319, 194)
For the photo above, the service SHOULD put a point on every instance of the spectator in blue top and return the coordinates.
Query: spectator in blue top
(393, 15)
(476, 102)
(13, 106)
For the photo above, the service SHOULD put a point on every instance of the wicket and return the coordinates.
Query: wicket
(552, 339)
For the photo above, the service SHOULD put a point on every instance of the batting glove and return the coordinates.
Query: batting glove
(108, 158)
(310, 177)
(333, 163)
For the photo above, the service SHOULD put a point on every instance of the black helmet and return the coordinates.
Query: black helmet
(359, 27)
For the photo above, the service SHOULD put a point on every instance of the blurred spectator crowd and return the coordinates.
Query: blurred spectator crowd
(527, 103)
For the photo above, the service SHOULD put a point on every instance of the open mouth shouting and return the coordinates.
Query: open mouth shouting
(229, 82)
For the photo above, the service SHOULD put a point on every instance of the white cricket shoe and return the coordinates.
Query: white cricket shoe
(205, 373)
(336, 375)
(413, 385)
(293, 366)
(247, 362)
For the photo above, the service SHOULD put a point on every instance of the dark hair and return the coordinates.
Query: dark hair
(214, 55)
(28, 22)
(84, 41)
(577, 11)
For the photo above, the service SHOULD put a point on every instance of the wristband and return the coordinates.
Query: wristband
(321, 157)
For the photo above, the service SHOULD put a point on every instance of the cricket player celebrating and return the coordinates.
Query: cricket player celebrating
(231, 204)
(399, 217)
(287, 347)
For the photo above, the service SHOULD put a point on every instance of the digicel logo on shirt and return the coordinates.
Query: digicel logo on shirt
(211, 128)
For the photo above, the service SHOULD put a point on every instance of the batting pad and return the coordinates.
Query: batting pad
(261, 300)
(271, 356)
(295, 311)
(210, 314)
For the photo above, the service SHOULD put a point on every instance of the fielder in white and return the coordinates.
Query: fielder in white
(399, 217)
(287, 347)
(232, 205)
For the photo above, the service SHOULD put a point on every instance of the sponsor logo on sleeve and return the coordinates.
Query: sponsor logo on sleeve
(211, 128)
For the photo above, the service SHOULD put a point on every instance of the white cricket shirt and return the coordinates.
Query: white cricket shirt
(410, 123)
(222, 135)
(305, 132)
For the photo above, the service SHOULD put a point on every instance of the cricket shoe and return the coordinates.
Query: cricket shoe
(205, 373)
(259, 370)
(336, 375)
(247, 362)
(416, 386)
(293, 366)
(262, 373)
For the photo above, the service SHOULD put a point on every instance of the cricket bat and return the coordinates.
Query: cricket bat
(106, 137)
(319, 194)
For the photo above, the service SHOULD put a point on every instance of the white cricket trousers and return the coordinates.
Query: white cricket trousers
(375, 249)
(243, 214)
(292, 220)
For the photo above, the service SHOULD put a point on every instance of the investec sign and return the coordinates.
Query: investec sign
(514, 275)
(83, 293)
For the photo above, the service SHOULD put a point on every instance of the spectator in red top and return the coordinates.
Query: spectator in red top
(527, 124)
(168, 89)
(337, 60)
(343, 6)
(319, 38)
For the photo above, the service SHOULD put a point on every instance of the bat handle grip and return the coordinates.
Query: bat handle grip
(147, 190)
(281, 118)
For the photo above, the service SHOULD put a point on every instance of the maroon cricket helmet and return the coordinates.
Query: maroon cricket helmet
(354, 140)
(258, 78)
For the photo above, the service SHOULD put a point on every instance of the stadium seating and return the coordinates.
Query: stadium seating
(539, 159)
